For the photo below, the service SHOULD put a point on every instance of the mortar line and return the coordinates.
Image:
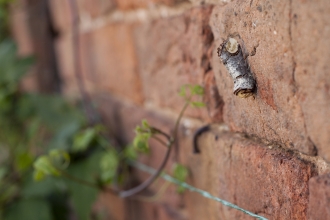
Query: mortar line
(133, 16)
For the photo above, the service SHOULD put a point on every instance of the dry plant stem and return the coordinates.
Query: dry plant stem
(86, 183)
(155, 197)
(160, 140)
(169, 145)
(158, 131)
(77, 62)
(78, 180)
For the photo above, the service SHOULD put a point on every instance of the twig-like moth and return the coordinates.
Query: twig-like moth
(231, 55)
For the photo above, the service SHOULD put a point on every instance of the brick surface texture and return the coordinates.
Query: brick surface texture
(268, 153)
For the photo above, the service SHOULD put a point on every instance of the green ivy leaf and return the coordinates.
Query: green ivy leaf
(138, 129)
(197, 104)
(145, 124)
(59, 158)
(38, 175)
(24, 161)
(130, 153)
(82, 196)
(83, 139)
(109, 163)
(197, 90)
(44, 165)
(140, 142)
(3, 172)
(182, 92)
(29, 209)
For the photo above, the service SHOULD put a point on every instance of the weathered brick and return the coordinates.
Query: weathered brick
(22, 36)
(274, 113)
(61, 15)
(266, 180)
(319, 198)
(20, 30)
(173, 52)
(64, 54)
(110, 206)
(212, 98)
(310, 42)
(109, 61)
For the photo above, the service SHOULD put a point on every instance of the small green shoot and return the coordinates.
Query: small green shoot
(109, 163)
(180, 172)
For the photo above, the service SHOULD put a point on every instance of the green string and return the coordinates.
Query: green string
(205, 194)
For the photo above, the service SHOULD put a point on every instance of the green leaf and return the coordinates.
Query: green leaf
(29, 209)
(109, 164)
(182, 92)
(83, 139)
(145, 128)
(59, 158)
(44, 165)
(11, 191)
(38, 175)
(180, 172)
(197, 90)
(145, 124)
(138, 129)
(24, 161)
(130, 153)
(33, 189)
(197, 104)
(3, 172)
(83, 196)
(140, 142)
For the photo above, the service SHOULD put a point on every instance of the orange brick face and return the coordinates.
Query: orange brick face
(175, 60)
(110, 61)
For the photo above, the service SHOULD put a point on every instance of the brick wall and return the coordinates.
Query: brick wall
(269, 153)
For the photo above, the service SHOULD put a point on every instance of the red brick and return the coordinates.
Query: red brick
(212, 98)
(319, 197)
(110, 206)
(308, 21)
(275, 113)
(109, 61)
(266, 180)
(61, 15)
(173, 52)
(20, 30)
(64, 54)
